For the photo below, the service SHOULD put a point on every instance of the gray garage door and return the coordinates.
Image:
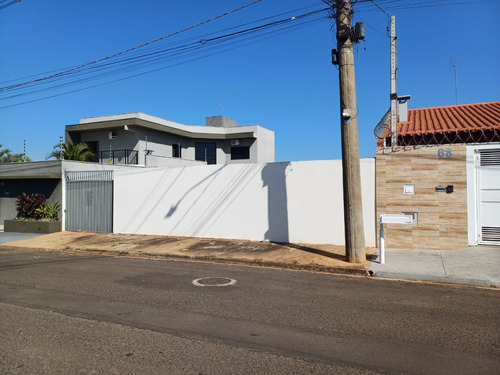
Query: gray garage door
(89, 201)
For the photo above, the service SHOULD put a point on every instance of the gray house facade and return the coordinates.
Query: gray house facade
(145, 140)
(33, 177)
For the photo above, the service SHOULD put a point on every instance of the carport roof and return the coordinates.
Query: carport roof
(42, 169)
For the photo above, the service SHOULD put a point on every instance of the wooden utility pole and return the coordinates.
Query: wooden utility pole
(353, 211)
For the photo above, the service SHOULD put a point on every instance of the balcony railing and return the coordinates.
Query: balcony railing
(118, 157)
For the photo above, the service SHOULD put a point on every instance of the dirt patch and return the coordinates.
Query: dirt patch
(324, 258)
(231, 246)
(156, 241)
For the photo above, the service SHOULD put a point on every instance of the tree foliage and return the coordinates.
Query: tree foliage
(6, 156)
(69, 151)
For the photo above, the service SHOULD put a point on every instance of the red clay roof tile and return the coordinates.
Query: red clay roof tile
(449, 119)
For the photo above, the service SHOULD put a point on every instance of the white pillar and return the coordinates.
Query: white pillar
(382, 244)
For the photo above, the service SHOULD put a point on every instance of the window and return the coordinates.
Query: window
(205, 151)
(13, 188)
(240, 153)
(176, 150)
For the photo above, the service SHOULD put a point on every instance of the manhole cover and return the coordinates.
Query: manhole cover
(214, 281)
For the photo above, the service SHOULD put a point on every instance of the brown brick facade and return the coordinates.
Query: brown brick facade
(442, 217)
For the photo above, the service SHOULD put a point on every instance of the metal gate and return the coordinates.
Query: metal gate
(89, 201)
(488, 184)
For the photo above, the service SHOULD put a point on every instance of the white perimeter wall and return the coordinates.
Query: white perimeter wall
(298, 202)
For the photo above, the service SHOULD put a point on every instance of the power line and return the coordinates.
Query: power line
(417, 4)
(141, 45)
(157, 47)
(379, 7)
(421, 5)
(170, 52)
(119, 79)
(157, 55)
(153, 58)
(170, 55)
(8, 4)
(371, 27)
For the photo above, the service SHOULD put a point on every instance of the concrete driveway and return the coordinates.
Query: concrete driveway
(6, 237)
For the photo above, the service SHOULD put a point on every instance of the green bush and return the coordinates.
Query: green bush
(49, 211)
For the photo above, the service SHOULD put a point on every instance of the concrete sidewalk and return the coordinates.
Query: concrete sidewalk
(479, 265)
(474, 266)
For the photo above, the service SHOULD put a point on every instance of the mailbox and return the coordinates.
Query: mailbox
(396, 219)
(444, 189)
(405, 219)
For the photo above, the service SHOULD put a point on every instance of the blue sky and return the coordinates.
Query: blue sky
(284, 82)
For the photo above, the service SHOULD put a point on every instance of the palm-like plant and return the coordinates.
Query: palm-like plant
(80, 151)
(4, 153)
(6, 156)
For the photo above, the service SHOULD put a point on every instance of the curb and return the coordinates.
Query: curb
(211, 259)
(441, 279)
(235, 261)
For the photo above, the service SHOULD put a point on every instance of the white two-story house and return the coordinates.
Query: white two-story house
(141, 139)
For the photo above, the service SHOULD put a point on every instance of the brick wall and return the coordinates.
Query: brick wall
(442, 217)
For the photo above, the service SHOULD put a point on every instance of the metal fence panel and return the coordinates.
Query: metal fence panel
(89, 201)
(118, 157)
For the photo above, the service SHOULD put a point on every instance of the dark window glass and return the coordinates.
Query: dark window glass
(176, 150)
(204, 151)
(211, 159)
(199, 151)
(14, 188)
(240, 153)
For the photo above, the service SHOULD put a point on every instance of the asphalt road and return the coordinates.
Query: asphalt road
(63, 313)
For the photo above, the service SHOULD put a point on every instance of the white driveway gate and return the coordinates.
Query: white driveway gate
(89, 201)
(488, 199)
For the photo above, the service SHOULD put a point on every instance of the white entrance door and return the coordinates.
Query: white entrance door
(488, 198)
